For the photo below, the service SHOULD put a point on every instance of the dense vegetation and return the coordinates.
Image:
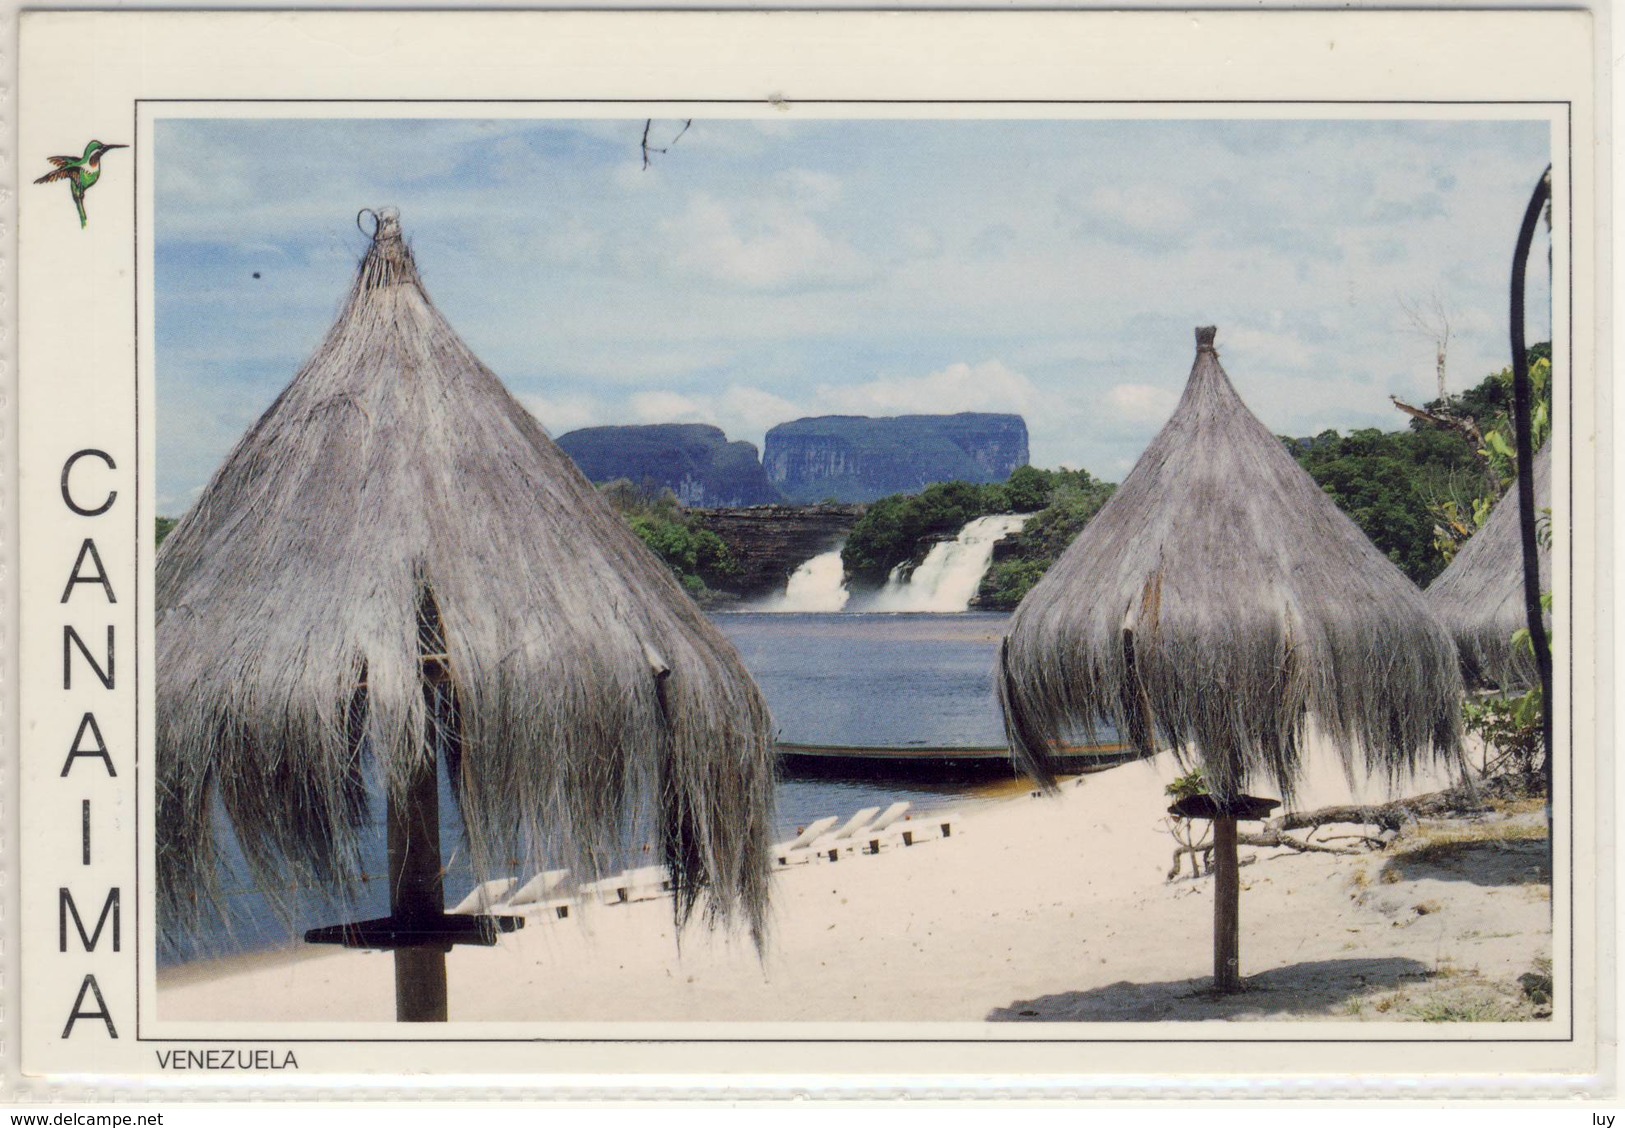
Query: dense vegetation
(1419, 493)
(1483, 416)
(1389, 483)
(698, 557)
(1021, 560)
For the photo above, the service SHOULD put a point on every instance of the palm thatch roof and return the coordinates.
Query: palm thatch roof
(1479, 597)
(1217, 603)
(394, 488)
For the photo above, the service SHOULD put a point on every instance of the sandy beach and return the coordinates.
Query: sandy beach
(1051, 908)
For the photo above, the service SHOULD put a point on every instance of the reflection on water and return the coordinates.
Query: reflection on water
(875, 679)
(871, 679)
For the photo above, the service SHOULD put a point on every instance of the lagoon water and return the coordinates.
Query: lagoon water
(875, 679)
(868, 680)
(849, 679)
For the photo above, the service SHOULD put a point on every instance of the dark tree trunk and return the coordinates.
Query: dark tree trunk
(417, 894)
(1522, 409)
(1226, 907)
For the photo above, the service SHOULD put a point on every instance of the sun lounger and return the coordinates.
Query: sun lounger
(538, 888)
(798, 851)
(485, 896)
(647, 883)
(883, 831)
(642, 884)
(936, 824)
(607, 891)
(540, 894)
(831, 845)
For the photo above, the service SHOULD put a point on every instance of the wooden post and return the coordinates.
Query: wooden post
(1226, 906)
(417, 895)
(418, 929)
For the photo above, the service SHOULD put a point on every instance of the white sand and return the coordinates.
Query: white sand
(1036, 908)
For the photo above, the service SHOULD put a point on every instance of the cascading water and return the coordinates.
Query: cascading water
(818, 585)
(948, 577)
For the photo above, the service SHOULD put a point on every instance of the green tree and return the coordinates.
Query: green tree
(1389, 483)
(1074, 497)
(1484, 414)
(696, 555)
(903, 527)
(1028, 489)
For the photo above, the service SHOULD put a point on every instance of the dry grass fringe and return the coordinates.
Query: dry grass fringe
(1479, 597)
(1217, 602)
(1441, 844)
(395, 469)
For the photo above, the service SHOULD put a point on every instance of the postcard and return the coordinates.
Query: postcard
(982, 552)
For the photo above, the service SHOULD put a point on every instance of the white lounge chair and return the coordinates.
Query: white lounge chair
(541, 893)
(798, 850)
(485, 896)
(646, 883)
(883, 832)
(831, 845)
(606, 891)
(936, 824)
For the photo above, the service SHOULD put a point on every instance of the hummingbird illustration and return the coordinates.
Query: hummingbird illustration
(80, 172)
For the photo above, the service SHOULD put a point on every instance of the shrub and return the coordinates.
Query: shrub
(697, 556)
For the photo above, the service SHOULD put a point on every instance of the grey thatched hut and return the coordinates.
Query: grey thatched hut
(1216, 604)
(1219, 600)
(397, 514)
(1480, 597)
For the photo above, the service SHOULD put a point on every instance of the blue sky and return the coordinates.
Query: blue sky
(765, 269)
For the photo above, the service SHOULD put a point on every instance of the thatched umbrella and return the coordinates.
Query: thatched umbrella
(1480, 596)
(1215, 604)
(396, 562)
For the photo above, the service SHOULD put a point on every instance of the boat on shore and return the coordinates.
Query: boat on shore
(924, 762)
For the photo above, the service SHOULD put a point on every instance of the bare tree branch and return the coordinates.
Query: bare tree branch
(1390, 817)
(1430, 319)
(1464, 425)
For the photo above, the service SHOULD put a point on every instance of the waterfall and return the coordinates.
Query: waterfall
(948, 577)
(818, 585)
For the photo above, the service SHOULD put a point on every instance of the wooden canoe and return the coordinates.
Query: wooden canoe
(824, 761)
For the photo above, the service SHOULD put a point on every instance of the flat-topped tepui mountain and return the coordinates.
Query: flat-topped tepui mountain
(855, 458)
(694, 460)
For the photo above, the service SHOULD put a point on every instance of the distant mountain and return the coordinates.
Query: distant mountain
(693, 460)
(855, 458)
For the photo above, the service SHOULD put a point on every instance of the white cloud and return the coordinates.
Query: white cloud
(766, 245)
(986, 386)
(808, 188)
(574, 352)
(565, 413)
(669, 407)
(1142, 403)
(751, 411)
(1279, 350)
(764, 270)
(743, 412)
(1143, 208)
